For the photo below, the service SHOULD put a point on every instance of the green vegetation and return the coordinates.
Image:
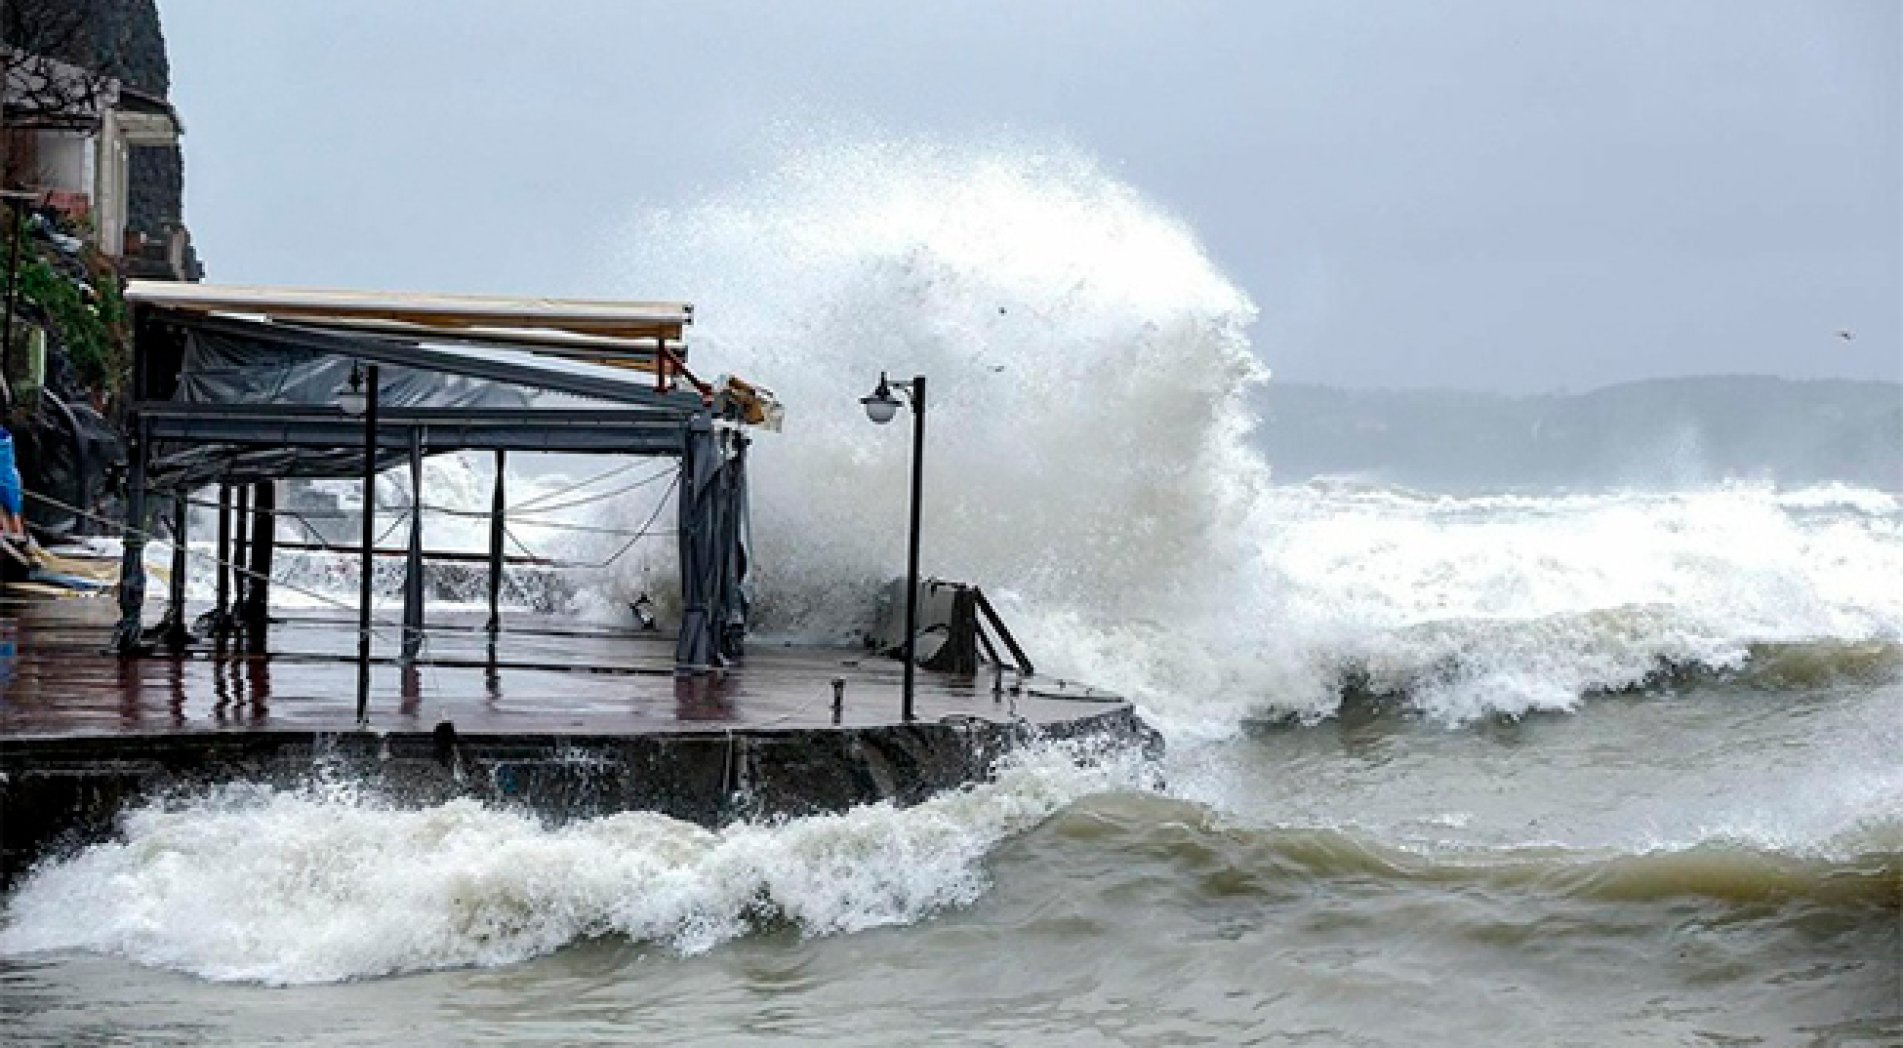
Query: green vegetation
(86, 320)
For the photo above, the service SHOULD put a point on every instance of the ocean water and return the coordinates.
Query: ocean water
(1583, 767)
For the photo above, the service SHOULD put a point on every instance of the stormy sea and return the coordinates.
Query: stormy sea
(1488, 720)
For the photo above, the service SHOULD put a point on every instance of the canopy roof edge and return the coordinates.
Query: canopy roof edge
(636, 320)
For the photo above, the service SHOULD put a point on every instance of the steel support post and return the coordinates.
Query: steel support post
(256, 614)
(413, 559)
(498, 508)
(177, 634)
(367, 558)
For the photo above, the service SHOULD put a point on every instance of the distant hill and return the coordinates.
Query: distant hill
(1654, 434)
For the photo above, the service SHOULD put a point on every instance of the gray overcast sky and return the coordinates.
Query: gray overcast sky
(1486, 193)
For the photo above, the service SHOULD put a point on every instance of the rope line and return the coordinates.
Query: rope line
(304, 519)
(535, 509)
(580, 484)
(151, 537)
(543, 509)
(640, 534)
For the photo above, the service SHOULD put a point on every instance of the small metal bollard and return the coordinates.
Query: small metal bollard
(839, 698)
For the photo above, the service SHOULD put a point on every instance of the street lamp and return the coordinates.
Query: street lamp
(881, 405)
(351, 399)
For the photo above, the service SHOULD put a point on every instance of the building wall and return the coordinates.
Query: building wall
(124, 40)
(64, 160)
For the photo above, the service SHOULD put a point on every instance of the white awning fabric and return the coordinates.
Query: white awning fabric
(665, 321)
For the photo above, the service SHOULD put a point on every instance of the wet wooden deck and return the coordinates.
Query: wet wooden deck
(539, 677)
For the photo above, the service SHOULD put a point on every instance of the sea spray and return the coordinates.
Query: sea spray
(1087, 464)
(1086, 360)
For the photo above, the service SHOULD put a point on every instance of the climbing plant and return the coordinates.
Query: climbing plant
(86, 319)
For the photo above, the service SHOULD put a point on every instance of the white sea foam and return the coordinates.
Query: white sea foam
(248, 883)
(1507, 605)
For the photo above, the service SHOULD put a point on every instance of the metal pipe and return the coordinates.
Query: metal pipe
(263, 548)
(369, 542)
(446, 556)
(413, 561)
(497, 520)
(911, 560)
(1025, 669)
(129, 636)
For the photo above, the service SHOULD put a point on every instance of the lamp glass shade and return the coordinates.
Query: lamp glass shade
(352, 401)
(880, 409)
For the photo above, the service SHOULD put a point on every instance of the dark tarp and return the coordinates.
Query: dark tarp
(72, 454)
(223, 368)
(239, 401)
(226, 368)
(713, 546)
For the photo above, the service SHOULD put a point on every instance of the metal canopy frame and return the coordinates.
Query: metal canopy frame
(180, 440)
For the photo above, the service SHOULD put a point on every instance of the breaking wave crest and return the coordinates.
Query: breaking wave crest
(1862, 867)
(1471, 607)
(318, 885)
(326, 884)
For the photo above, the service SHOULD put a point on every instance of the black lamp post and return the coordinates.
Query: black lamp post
(880, 406)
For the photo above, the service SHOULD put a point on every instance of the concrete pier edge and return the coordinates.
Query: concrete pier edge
(59, 793)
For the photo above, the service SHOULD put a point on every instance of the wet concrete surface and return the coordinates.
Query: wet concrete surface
(539, 675)
(566, 721)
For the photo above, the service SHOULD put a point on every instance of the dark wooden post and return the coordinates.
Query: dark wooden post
(264, 521)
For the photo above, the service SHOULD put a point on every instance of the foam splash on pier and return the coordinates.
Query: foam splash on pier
(1058, 316)
(323, 884)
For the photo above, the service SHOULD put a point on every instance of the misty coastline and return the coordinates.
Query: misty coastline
(1652, 434)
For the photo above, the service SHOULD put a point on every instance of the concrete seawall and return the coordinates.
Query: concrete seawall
(62, 792)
